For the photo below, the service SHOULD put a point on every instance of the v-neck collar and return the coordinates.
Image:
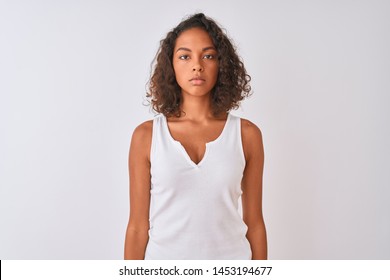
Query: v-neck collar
(183, 150)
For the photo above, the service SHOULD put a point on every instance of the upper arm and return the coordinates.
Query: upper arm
(139, 172)
(253, 174)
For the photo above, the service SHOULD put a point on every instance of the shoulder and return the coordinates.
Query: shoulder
(252, 139)
(142, 138)
(143, 130)
(250, 130)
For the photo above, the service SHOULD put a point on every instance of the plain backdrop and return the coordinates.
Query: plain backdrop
(73, 78)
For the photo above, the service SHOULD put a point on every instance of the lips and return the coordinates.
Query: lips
(197, 78)
(197, 81)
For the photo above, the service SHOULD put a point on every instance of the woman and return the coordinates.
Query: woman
(190, 164)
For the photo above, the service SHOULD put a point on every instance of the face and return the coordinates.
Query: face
(195, 62)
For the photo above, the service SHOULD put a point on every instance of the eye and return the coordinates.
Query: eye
(209, 56)
(184, 57)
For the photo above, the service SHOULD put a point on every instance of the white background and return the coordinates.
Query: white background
(72, 85)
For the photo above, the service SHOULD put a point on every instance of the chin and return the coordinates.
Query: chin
(197, 92)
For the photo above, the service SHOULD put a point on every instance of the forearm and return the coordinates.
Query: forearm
(135, 244)
(258, 241)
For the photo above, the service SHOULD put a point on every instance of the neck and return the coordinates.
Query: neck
(197, 107)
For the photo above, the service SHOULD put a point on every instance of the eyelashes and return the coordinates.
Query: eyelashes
(184, 57)
(209, 56)
(206, 56)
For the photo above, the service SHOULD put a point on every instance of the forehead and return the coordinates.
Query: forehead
(194, 37)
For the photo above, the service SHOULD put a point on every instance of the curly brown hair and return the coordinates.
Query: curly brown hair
(232, 84)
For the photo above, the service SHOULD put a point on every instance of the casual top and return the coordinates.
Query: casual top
(194, 207)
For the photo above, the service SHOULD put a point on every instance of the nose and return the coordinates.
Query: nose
(197, 67)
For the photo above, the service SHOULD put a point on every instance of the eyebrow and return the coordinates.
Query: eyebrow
(188, 50)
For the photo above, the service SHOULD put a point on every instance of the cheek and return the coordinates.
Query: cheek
(177, 69)
(215, 71)
(215, 66)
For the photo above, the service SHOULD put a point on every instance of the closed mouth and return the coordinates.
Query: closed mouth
(197, 79)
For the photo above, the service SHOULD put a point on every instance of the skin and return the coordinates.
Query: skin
(195, 56)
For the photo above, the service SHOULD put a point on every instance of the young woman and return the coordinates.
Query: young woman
(190, 164)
